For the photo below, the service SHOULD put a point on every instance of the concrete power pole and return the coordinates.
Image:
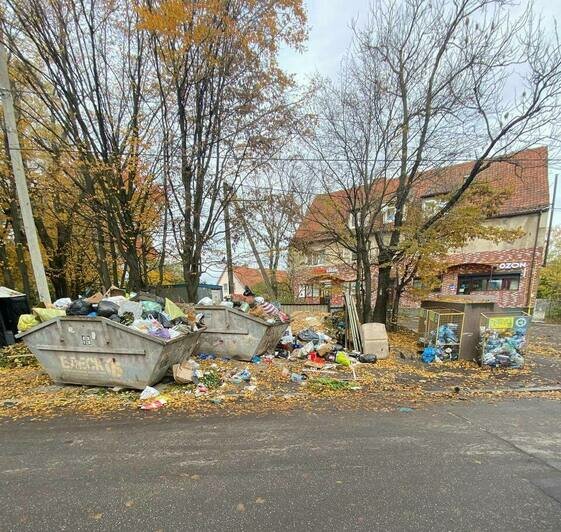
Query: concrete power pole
(227, 235)
(21, 183)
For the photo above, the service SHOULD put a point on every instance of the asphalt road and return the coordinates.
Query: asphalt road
(467, 466)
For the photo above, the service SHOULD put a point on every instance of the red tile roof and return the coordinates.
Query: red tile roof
(523, 173)
(252, 276)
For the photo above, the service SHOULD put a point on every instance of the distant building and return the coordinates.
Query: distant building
(245, 276)
(506, 272)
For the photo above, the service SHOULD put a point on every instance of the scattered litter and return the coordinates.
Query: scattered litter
(148, 393)
(186, 372)
(406, 409)
(241, 377)
(154, 405)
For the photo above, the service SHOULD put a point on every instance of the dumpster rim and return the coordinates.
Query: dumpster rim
(155, 339)
(245, 314)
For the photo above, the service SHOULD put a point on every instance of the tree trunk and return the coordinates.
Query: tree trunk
(396, 297)
(6, 270)
(192, 276)
(382, 295)
(366, 292)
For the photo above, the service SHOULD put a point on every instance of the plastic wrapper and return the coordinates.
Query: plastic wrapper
(26, 322)
(46, 314)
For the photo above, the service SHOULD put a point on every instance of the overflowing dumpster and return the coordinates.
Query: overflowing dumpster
(236, 334)
(101, 352)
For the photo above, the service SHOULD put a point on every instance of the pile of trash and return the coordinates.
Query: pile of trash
(255, 306)
(443, 344)
(503, 348)
(319, 351)
(144, 312)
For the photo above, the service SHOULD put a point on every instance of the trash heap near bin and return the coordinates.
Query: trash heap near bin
(146, 313)
(503, 340)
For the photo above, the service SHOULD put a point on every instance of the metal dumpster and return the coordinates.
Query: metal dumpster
(237, 334)
(101, 352)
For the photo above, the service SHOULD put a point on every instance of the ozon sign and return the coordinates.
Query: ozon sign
(511, 266)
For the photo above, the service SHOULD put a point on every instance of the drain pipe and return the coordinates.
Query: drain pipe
(533, 263)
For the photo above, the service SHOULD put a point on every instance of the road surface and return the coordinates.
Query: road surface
(463, 466)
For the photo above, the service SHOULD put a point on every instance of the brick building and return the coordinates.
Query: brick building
(506, 272)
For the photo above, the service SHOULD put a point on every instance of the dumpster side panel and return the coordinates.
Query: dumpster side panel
(230, 333)
(237, 335)
(97, 352)
(271, 338)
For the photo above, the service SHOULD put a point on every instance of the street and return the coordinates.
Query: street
(474, 465)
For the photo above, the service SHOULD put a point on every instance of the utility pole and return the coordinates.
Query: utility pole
(21, 183)
(227, 235)
(550, 221)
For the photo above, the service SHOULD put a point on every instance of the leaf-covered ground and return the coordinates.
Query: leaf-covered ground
(401, 381)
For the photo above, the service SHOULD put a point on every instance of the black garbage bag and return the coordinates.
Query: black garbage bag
(115, 317)
(107, 308)
(162, 318)
(79, 307)
(307, 335)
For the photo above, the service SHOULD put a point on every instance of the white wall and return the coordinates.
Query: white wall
(223, 282)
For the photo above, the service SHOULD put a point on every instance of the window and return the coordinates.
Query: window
(488, 282)
(388, 214)
(351, 221)
(308, 290)
(316, 257)
(432, 205)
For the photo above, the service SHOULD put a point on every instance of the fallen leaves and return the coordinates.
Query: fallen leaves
(400, 380)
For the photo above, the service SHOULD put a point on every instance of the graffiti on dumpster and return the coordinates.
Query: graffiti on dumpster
(91, 364)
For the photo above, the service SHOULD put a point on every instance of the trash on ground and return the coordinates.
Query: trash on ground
(148, 393)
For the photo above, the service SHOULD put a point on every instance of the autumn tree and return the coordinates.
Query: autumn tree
(227, 105)
(550, 277)
(425, 85)
(424, 256)
(84, 67)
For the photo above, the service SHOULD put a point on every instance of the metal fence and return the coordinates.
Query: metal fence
(178, 292)
(308, 307)
(547, 310)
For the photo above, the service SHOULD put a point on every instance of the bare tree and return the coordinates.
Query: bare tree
(427, 85)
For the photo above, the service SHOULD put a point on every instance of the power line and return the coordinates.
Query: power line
(455, 160)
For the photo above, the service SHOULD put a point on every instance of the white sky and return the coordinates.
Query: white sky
(330, 35)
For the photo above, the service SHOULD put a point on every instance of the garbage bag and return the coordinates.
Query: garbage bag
(26, 322)
(205, 301)
(79, 307)
(172, 310)
(163, 319)
(429, 354)
(46, 314)
(150, 307)
(131, 307)
(342, 358)
(107, 308)
(62, 303)
(307, 335)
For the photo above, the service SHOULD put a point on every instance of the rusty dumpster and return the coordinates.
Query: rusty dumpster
(236, 334)
(101, 352)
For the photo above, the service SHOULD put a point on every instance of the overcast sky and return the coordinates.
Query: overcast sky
(330, 35)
